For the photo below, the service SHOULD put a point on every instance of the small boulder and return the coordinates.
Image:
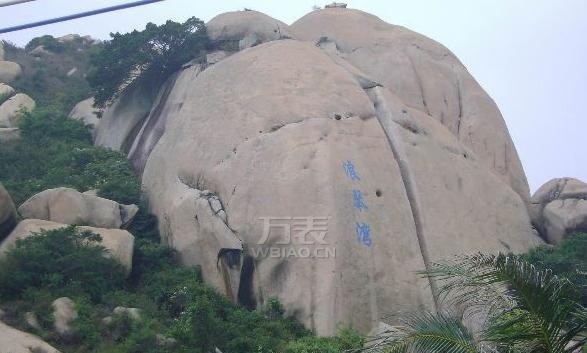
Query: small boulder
(5, 92)
(119, 243)
(69, 206)
(7, 213)
(8, 134)
(85, 112)
(9, 71)
(31, 319)
(11, 110)
(132, 313)
(559, 207)
(15, 341)
(64, 313)
(40, 51)
(248, 28)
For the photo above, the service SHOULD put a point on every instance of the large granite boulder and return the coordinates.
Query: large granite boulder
(70, 206)
(299, 170)
(15, 341)
(119, 243)
(9, 71)
(85, 112)
(559, 208)
(7, 213)
(12, 109)
(426, 76)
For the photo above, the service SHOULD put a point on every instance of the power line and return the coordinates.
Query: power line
(78, 15)
(13, 2)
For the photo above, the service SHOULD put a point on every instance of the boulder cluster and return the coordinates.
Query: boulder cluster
(12, 104)
(55, 209)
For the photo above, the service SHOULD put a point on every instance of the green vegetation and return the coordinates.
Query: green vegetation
(56, 151)
(568, 259)
(526, 309)
(48, 79)
(176, 307)
(151, 55)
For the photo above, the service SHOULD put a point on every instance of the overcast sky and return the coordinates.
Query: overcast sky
(531, 56)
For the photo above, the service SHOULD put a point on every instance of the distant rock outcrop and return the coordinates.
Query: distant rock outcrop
(559, 208)
(70, 206)
(324, 164)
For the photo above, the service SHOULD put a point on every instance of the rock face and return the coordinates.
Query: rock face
(7, 213)
(15, 341)
(425, 76)
(9, 71)
(118, 242)
(70, 206)
(558, 208)
(64, 313)
(11, 110)
(85, 112)
(297, 170)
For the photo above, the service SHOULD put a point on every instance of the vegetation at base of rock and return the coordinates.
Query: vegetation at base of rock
(524, 309)
(56, 151)
(47, 78)
(151, 55)
(568, 259)
(63, 261)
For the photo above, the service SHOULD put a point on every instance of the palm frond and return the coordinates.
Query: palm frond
(426, 332)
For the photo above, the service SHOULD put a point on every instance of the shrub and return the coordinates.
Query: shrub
(63, 260)
(568, 260)
(56, 151)
(151, 55)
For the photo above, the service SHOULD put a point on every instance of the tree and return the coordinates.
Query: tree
(528, 310)
(151, 55)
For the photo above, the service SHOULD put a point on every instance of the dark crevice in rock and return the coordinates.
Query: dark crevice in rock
(246, 294)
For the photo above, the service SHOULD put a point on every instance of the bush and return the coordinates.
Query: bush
(56, 151)
(568, 260)
(63, 260)
(151, 55)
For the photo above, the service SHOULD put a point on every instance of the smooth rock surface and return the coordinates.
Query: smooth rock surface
(269, 132)
(425, 76)
(11, 110)
(557, 208)
(248, 28)
(9, 71)
(7, 213)
(15, 341)
(64, 313)
(85, 112)
(118, 242)
(70, 206)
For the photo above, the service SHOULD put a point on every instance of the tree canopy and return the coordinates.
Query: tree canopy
(151, 55)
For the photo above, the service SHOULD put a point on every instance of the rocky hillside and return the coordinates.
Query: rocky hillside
(283, 173)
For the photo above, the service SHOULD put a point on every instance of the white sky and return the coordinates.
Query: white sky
(531, 56)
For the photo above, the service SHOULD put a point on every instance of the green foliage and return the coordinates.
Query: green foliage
(347, 340)
(63, 260)
(46, 78)
(56, 151)
(151, 55)
(48, 42)
(568, 259)
(527, 309)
